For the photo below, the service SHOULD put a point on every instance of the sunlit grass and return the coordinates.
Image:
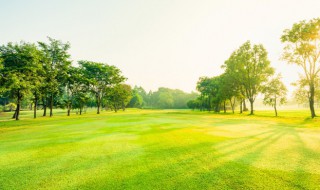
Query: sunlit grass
(160, 149)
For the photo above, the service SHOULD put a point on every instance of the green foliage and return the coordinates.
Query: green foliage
(11, 106)
(20, 70)
(210, 89)
(249, 65)
(136, 101)
(302, 92)
(56, 62)
(100, 78)
(163, 98)
(302, 47)
(275, 93)
(119, 96)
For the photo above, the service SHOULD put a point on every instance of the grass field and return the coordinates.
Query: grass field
(160, 149)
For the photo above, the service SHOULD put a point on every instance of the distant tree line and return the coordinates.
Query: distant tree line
(163, 98)
(247, 73)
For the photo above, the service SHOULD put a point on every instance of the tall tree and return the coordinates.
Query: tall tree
(21, 63)
(100, 77)
(56, 65)
(275, 93)
(302, 47)
(119, 96)
(75, 89)
(252, 68)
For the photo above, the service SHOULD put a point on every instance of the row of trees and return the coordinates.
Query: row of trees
(248, 73)
(43, 73)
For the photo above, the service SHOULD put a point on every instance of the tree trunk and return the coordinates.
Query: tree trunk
(224, 107)
(18, 107)
(232, 104)
(44, 106)
(275, 106)
(69, 108)
(80, 110)
(241, 106)
(244, 105)
(14, 114)
(115, 108)
(51, 105)
(123, 107)
(275, 110)
(311, 100)
(98, 104)
(251, 106)
(35, 108)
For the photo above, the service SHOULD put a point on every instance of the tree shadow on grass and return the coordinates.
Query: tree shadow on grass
(208, 164)
(206, 168)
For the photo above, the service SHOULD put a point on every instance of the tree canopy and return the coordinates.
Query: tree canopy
(302, 47)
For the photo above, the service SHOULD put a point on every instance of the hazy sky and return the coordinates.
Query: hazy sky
(158, 43)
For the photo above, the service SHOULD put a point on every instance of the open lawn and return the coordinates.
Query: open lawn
(160, 149)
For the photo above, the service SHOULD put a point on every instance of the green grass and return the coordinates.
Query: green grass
(160, 149)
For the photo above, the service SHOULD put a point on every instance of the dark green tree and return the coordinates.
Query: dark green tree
(101, 77)
(56, 64)
(19, 74)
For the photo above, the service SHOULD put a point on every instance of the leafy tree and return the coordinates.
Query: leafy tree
(100, 77)
(75, 89)
(21, 63)
(143, 94)
(56, 64)
(275, 93)
(136, 100)
(194, 104)
(252, 68)
(119, 96)
(210, 92)
(229, 89)
(165, 99)
(302, 47)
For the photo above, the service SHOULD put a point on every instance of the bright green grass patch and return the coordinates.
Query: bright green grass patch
(168, 149)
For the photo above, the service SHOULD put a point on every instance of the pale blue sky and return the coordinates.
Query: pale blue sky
(167, 43)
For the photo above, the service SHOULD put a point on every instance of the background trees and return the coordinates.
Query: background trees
(302, 47)
(275, 93)
(163, 98)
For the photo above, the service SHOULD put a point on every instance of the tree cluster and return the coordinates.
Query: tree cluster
(247, 73)
(43, 74)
